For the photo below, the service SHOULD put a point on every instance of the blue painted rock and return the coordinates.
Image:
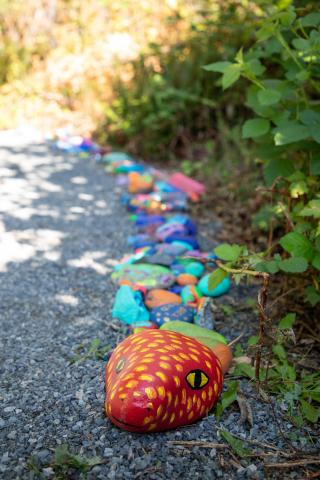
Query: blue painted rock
(188, 239)
(177, 269)
(170, 312)
(183, 245)
(195, 268)
(222, 288)
(159, 259)
(176, 289)
(171, 249)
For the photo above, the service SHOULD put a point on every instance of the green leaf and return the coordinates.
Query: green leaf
(297, 245)
(245, 370)
(311, 210)
(279, 167)
(265, 32)
(270, 266)
(310, 117)
(311, 20)
(312, 295)
(287, 321)
(216, 278)
(309, 412)
(253, 340)
(268, 97)
(279, 351)
(290, 133)
(230, 75)
(217, 66)
(315, 132)
(236, 444)
(254, 67)
(255, 128)
(315, 165)
(298, 188)
(228, 252)
(316, 261)
(227, 398)
(301, 44)
(293, 265)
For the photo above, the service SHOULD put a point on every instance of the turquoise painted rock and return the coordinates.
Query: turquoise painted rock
(195, 268)
(171, 312)
(190, 295)
(221, 289)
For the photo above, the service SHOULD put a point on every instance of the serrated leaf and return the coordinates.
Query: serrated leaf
(230, 75)
(216, 278)
(217, 66)
(287, 321)
(293, 265)
(255, 128)
(290, 133)
(309, 412)
(297, 245)
(270, 266)
(268, 97)
(228, 252)
(236, 444)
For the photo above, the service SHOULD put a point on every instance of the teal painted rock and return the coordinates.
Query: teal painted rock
(195, 268)
(221, 289)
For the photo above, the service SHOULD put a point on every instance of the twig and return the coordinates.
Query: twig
(198, 443)
(295, 463)
(236, 340)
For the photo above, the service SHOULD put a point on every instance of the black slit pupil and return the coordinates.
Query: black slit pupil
(197, 378)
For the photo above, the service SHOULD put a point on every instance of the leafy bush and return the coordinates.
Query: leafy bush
(283, 71)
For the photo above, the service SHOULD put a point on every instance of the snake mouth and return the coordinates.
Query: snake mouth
(125, 423)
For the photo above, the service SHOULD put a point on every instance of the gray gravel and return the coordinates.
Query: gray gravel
(62, 228)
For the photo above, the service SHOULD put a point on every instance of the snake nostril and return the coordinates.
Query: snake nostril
(149, 409)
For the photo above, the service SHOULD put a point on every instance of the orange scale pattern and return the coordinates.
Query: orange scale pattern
(158, 380)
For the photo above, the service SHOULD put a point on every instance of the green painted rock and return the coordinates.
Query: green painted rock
(203, 335)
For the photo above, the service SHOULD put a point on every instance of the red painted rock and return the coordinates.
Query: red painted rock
(158, 380)
(157, 297)
(187, 279)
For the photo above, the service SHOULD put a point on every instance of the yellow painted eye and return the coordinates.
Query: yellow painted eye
(197, 379)
(120, 365)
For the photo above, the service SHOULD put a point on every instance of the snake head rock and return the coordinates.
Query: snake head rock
(158, 380)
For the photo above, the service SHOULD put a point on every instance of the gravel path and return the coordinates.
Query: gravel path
(62, 228)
